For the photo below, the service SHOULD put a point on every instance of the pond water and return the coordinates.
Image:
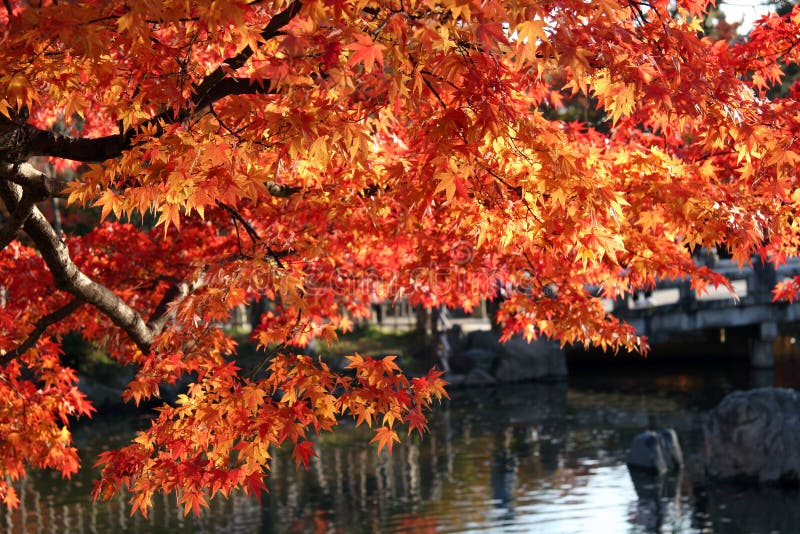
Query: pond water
(544, 458)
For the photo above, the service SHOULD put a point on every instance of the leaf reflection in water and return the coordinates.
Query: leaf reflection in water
(533, 457)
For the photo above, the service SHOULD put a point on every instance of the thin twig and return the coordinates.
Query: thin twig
(251, 374)
(39, 329)
(251, 232)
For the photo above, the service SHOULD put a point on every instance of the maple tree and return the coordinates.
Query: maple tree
(326, 155)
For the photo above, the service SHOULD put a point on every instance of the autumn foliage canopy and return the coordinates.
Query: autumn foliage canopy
(325, 155)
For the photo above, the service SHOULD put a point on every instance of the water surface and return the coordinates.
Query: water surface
(545, 458)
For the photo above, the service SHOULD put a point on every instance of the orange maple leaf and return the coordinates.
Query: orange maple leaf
(365, 51)
(385, 437)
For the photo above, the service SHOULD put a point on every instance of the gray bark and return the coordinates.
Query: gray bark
(68, 277)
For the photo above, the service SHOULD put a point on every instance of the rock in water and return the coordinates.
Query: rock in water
(657, 452)
(754, 437)
(673, 455)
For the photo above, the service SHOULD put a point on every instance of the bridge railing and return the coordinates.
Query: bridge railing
(759, 280)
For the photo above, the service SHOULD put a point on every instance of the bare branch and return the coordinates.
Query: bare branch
(39, 328)
(47, 143)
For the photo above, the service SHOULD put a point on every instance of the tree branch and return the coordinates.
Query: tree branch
(279, 190)
(47, 143)
(251, 232)
(21, 185)
(39, 328)
(214, 87)
(271, 30)
(68, 277)
(15, 221)
(38, 189)
(158, 319)
(33, 181)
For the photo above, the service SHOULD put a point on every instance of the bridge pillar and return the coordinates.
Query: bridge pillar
(620, 304)
(687, 297)
(762, 352)
(761, 282)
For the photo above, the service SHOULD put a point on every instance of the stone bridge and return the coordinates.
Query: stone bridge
(676, 308)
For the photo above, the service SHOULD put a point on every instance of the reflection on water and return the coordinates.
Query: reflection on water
(524, 458)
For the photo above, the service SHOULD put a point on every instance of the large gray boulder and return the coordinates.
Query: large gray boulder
(477, 358)
(657, 452)
(486, 360)
(479, 377)
(484, 339)
(537, 360)
(754, 437)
